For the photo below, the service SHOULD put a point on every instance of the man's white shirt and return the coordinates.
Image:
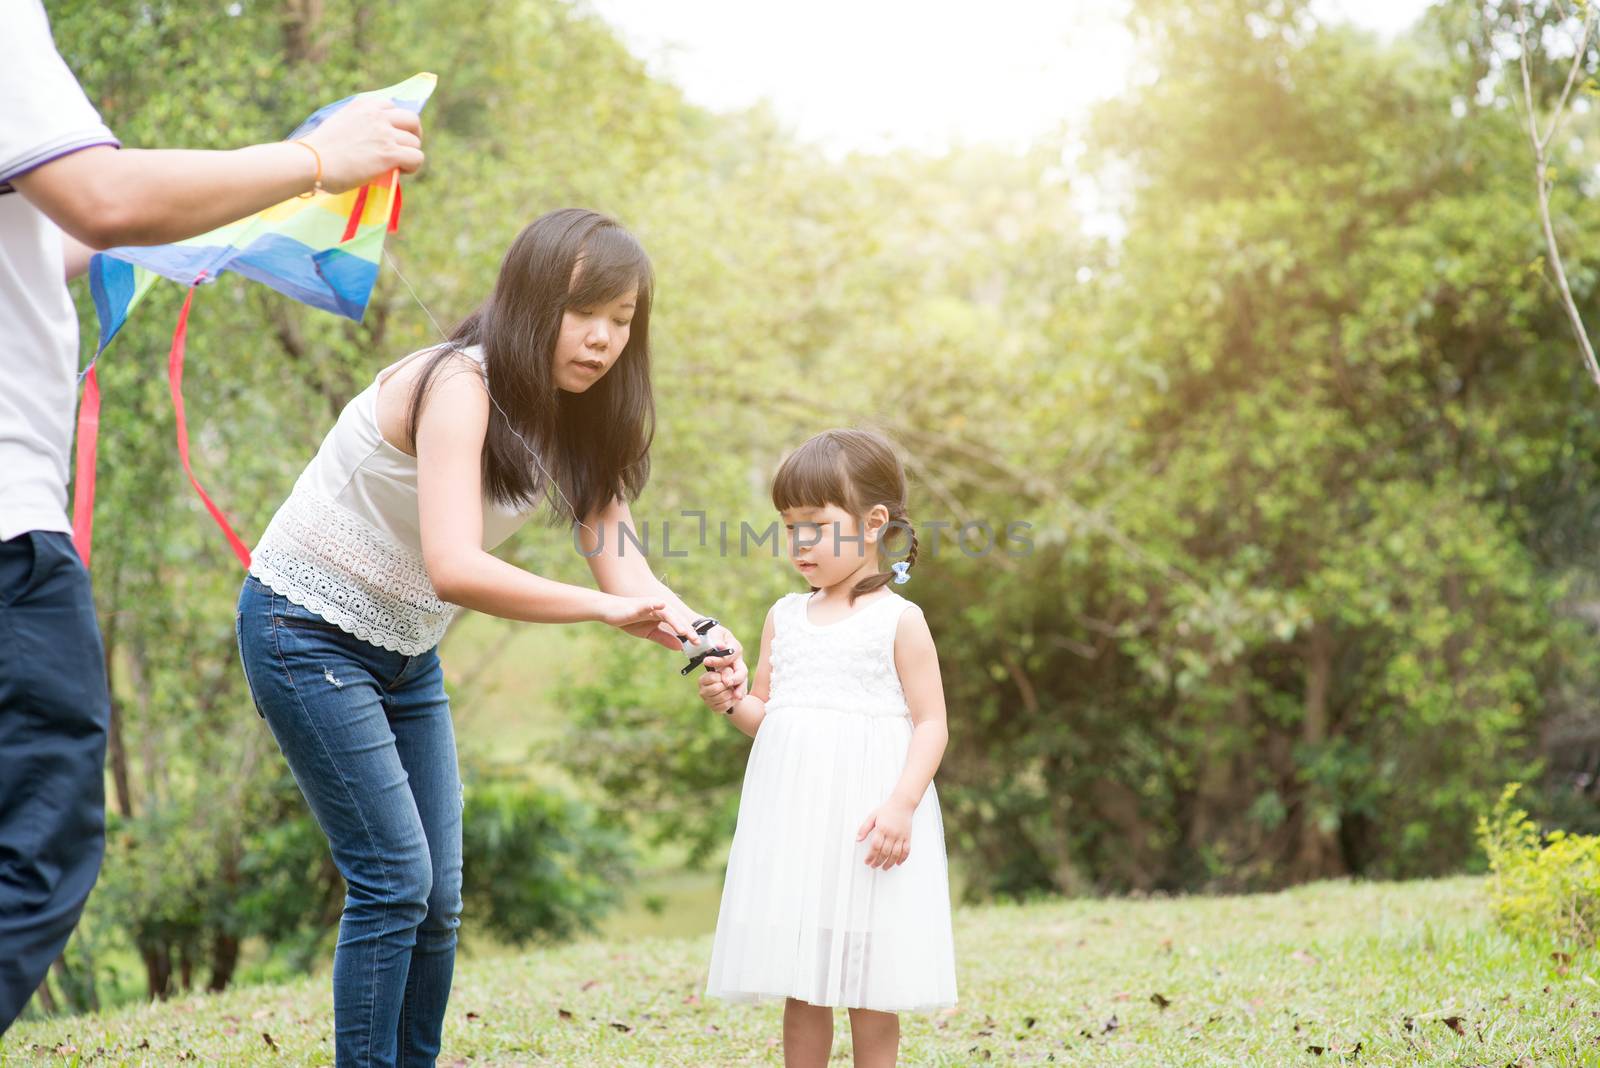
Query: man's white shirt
(44, 115)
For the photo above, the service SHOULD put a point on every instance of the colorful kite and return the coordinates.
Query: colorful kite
(322, 250)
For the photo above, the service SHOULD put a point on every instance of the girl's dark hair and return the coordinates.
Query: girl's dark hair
(595, 445)
(853, 469)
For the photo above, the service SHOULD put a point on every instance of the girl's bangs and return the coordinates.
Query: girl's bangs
(812, 477)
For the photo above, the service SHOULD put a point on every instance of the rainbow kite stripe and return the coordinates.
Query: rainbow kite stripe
(321, 250)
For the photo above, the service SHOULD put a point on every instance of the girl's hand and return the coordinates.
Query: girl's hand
(890, 827)
(735, 675)
(631, 614)
(716, 693)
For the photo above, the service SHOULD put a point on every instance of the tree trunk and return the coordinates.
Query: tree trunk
(1221, 794)
(186, 967)
(91, 992)
(1317, 855)
(157, 971)
(301, 41)
(224, 958)
(116, 751)
(47, 1000)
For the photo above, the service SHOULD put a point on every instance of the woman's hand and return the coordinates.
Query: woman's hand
(648, 617)
(654, 631)
(890, 827)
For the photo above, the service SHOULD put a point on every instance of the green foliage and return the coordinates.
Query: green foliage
(1545, 887)
(536, 864)
(1309, 462)
(1307, 454)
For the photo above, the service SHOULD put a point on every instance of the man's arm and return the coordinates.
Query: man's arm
(105, 197)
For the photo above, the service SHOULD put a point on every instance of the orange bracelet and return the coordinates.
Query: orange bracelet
(316, 185)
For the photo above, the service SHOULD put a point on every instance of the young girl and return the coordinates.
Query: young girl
(827, 903)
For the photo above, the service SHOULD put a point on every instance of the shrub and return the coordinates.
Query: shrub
(1543, 886)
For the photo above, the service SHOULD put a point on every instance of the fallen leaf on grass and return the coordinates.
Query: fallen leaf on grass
(590, 984)
(1111, 1025)
(564, 1014)
(1303, 957)
(1160, 1002)
(267, 1038)
(1454, 1023)
(626, 1029)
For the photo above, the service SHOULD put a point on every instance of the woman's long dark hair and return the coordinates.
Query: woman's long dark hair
(595, 445)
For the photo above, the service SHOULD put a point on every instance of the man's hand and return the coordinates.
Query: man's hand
(364, 140)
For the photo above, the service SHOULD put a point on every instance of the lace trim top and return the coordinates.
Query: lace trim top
(347, 543)
(846, 666)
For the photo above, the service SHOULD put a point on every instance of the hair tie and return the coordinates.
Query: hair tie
(901, 569)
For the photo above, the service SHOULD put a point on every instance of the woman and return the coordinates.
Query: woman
(543, 394)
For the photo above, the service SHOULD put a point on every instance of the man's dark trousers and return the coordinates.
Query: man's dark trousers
(54, 710)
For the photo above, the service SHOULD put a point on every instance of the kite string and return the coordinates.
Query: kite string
(509, 424)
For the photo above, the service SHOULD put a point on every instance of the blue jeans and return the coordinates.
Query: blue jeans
(367, 734)
(54, 713)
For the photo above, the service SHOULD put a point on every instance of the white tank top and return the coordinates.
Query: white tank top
(347, 543)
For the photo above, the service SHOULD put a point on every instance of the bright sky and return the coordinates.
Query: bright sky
(926, 74)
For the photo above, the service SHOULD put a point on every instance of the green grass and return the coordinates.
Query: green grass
(1412, 973)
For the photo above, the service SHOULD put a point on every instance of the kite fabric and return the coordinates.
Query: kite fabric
(322, 250)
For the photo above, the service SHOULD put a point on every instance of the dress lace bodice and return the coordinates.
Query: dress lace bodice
(847, 666)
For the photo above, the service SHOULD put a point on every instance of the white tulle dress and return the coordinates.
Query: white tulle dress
(802, 915)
